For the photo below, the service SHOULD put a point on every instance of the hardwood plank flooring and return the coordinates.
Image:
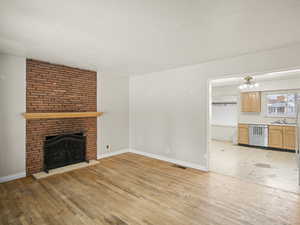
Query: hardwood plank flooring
(133, 189)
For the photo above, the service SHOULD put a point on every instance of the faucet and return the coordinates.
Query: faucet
(283, 121)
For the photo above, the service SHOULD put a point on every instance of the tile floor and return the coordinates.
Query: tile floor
(272, 168)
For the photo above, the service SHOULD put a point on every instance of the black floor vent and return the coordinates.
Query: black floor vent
(178, 166)
(262, 165)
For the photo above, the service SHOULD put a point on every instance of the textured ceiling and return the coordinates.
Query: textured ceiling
(130, 37)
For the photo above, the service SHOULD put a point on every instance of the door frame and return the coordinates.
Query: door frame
(209, 101)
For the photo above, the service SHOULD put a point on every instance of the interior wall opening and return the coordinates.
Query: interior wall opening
(254, 129)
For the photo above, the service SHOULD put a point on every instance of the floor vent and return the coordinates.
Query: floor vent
(114, 220)
(178, 166)
(263, 165)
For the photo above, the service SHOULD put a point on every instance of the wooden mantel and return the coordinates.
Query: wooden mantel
(59, 115)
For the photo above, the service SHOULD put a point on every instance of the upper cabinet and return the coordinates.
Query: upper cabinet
(251, 101)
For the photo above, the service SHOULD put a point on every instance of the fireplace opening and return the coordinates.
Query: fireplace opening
(63, 150)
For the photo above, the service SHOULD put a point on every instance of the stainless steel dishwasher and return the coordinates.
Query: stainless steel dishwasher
(258, 135)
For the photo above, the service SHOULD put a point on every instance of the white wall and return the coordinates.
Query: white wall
(167, 116)
(113, 125)
(220, 91)
(12, 124)
(224, 133)
(169, 109)
(224, 117)
(224, 114)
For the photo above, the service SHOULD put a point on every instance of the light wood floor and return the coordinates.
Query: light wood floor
(132, 189)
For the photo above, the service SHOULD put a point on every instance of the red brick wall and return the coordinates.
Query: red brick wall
(57, 88)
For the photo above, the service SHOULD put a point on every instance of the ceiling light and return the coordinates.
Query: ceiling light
(248, 83)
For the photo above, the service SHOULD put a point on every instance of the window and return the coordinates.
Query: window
(281, 105)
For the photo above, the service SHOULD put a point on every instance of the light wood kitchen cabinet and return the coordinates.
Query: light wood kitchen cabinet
(245, 100)
(251, 101)
(243, 134)
(289, 138)
(276, 136)
(282, 137)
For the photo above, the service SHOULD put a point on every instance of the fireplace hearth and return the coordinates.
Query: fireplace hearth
(63, 150)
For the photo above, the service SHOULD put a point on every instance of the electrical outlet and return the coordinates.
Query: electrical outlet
(168, 150)
(108, 148)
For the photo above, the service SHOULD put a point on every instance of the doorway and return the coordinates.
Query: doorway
(257, 163)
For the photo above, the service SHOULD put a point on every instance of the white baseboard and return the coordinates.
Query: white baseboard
(109, 154)
(167, 159)
(155, 156)
(12, 177)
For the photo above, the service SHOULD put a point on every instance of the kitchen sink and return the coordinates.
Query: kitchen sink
(282, 123)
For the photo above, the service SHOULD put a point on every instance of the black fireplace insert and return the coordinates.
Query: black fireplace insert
(65, 149)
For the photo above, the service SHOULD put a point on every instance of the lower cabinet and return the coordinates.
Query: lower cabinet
(289, 138)
(275, 137)
(243, 134)
(282, 137)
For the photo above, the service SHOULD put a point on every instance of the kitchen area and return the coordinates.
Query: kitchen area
(269, 132)
(254, 130)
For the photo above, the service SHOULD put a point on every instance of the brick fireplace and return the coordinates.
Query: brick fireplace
(57, 88)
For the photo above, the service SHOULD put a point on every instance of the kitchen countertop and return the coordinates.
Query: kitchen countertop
(271, 124)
